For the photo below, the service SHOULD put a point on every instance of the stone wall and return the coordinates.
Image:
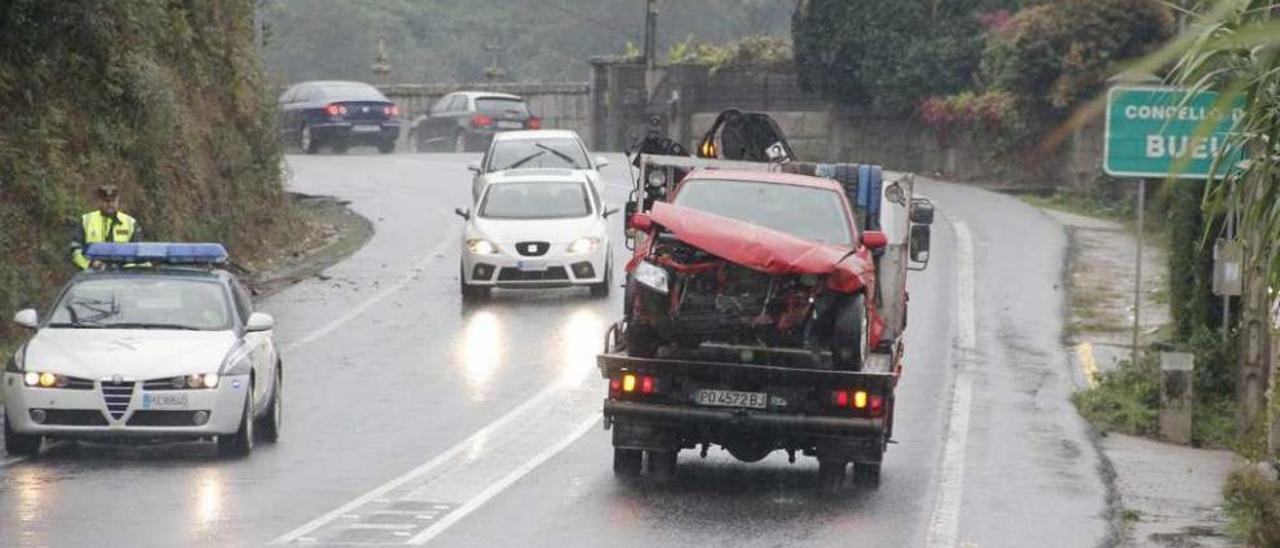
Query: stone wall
(560, 106)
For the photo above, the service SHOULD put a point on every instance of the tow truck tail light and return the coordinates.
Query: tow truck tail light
(877, 406)
(631, 384)
(858, 400)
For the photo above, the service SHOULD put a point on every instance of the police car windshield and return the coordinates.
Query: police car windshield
(805, 212)
(540, 200)
(144, 302)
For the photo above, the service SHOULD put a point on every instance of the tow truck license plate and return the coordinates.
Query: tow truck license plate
(731, 398)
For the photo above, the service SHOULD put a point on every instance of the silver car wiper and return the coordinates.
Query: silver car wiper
(146, 325)
(524, 160)
(562, 155)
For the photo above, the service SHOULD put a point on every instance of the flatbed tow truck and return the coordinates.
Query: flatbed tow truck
(753, 398)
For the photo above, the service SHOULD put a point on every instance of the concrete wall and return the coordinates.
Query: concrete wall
(560, 106)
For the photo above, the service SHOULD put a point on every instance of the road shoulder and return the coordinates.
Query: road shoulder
(1163, 494)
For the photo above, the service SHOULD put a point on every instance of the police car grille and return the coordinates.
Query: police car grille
(117, 396)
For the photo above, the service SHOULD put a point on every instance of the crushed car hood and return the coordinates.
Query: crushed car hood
(137, 354)
(750, 245)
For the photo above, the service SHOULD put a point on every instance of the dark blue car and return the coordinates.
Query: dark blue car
(338, 115)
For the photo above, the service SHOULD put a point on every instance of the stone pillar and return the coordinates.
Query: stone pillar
(1177, 395)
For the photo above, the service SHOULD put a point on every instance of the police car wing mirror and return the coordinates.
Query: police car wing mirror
(464, 213)
(474, 167)
(27, 318)
(601, 161)
(259, 322)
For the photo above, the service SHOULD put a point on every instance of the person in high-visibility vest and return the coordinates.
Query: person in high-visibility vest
(105, 224)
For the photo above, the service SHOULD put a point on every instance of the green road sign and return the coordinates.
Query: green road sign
(1152, 131)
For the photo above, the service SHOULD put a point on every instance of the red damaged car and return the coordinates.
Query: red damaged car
(751, 259)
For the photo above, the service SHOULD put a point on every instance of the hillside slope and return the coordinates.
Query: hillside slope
(164, 98)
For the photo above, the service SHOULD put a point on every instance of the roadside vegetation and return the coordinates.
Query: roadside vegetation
(165, 99)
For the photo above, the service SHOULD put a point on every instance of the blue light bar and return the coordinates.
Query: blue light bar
(159, 252)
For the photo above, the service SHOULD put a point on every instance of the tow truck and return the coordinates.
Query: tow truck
(756, 332)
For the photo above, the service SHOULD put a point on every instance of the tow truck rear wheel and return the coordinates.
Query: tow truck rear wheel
(662, 466)
(866, 475)
(831, 475)
(626, 462)
(20, 445)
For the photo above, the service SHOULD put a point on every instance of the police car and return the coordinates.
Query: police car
(161, 344)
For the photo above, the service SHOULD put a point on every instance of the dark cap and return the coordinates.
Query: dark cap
(108, 192)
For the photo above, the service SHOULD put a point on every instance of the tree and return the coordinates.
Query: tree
(888, 54)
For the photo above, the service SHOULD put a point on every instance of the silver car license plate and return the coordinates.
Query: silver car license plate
(731, 398)
(510, 125)
(164, 401)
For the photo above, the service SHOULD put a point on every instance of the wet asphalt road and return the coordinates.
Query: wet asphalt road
(410, 419)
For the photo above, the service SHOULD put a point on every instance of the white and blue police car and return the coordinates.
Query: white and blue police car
(160, 344)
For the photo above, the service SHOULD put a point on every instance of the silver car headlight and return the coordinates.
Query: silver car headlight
(583, 246)
(482, 247)
(652, 276)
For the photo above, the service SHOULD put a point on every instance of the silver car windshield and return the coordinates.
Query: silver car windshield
(537, 153)
(805, 212)
(144, 303)
(536, 200)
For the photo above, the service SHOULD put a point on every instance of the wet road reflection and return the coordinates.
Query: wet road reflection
(479, 352)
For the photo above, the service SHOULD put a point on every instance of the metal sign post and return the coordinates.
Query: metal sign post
(1137, 280)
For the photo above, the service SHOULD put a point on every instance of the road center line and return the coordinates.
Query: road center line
(944, 526)
(493, 489)
(450, 238)
(448, 455)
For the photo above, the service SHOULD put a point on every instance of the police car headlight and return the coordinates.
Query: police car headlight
(45, 380)
(583, 245)
(202, 380)
(652, 276)
(482, 247)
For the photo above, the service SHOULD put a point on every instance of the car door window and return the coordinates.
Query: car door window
(289, 96)
(441, 105)
(459, 104)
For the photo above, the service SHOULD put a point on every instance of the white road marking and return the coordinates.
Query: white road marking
(479, 437)
(944, 527)
(11, 460)
(497, 487)
(450, 238)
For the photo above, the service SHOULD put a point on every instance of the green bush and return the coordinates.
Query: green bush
(1126, 399)
(164, 98)
(1253, 503)
(888, 54)
(1058, 54)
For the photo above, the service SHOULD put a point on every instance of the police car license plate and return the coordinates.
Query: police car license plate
(731, 398)
(164, 401)
(366, 129)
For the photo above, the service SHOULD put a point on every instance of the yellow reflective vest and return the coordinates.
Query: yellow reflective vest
(96, 228)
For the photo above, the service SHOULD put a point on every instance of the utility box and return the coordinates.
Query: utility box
(1228, 259)
(1177, 375)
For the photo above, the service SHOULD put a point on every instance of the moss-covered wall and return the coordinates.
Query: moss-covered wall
(164, 98)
